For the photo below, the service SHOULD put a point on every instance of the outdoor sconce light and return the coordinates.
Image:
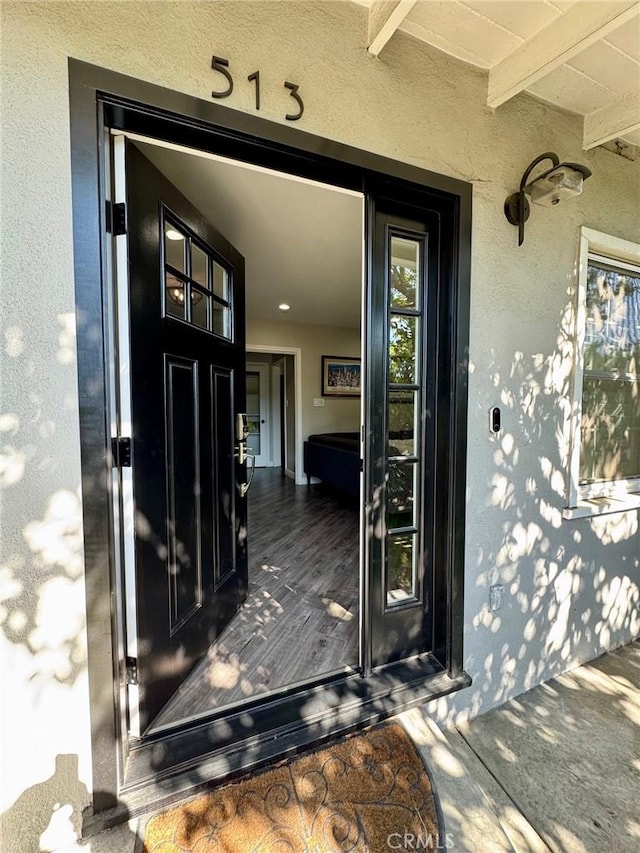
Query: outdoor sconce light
(562, 181)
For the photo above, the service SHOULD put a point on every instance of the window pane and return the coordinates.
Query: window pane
(174, 296)
(253, 422)
(220, 281)
(174, 246)
(402, 435)
(253, 390)
(400, 495)
(402, 350)
(253, 411)
(199, 262)
(400, 568)
(610, 433)
(253, 444)
(405, 260)
(221, 320)
(612, 333)
(200, 309)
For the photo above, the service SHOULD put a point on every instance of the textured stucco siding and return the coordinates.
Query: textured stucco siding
(571, 587)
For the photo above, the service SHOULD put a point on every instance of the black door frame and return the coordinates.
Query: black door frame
(129, 780)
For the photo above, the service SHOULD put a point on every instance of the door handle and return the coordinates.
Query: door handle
(242, 454)
(244, 487)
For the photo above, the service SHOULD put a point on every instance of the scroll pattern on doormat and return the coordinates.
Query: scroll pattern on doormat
(366, 794)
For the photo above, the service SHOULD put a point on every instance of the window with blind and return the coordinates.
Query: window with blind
(606, 457)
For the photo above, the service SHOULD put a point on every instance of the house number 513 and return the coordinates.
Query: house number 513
(222, 67)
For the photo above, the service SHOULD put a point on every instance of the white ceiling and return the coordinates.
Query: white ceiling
(302, 241)
(581, 55)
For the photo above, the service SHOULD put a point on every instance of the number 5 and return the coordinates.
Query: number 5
(220, 64)
(294, 94)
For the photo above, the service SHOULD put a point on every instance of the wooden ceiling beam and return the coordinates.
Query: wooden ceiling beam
(612, 121)
(385, 16)
(580, 26)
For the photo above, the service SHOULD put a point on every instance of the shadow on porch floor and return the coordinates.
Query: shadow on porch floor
(557, 768)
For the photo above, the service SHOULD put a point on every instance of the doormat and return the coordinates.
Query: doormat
(366, 794)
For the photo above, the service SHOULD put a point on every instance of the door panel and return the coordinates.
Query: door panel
(187, 342)
(182, 464)
(223, 472)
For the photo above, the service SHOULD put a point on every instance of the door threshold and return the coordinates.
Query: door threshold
(209, 754)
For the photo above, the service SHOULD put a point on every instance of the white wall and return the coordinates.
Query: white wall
(337, 415)
(571, 587)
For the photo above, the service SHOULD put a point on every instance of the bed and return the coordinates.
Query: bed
(334, 458)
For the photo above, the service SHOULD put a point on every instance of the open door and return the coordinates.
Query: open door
(186, 338)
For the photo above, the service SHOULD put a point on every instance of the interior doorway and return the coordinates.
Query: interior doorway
(281, 379)
(296, 614)
(260, 418)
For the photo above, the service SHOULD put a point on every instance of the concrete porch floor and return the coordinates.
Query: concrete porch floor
(557, 768)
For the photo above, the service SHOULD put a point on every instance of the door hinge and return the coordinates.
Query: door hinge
(121, 452)
(132, 670)
(116, 218)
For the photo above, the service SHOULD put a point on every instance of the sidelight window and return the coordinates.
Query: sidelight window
(404, 432)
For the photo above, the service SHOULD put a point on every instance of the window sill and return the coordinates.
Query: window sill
(601, 506)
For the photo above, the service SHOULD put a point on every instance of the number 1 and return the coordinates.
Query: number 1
(256, 76)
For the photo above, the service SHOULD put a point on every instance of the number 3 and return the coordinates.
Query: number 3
(293, 87)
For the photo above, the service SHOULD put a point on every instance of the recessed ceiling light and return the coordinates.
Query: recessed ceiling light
(284, 307)
(172, 234)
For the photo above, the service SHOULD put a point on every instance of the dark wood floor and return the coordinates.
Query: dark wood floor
(300, 619)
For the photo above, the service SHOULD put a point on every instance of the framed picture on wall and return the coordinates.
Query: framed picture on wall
(340, 376)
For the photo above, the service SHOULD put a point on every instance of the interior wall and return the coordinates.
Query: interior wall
(571, 588)
(337, 415)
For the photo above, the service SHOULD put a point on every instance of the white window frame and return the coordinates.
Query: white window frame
(615, 495)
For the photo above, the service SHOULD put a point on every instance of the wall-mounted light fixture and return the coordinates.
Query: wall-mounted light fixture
(562, 181)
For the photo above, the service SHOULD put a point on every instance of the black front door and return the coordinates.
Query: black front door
(187, 353)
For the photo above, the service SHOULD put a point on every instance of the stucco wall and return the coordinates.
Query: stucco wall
(571, 587)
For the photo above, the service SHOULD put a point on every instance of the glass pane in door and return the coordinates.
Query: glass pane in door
(404, 430)
(401, 568)
(253, 412)
(404, 273)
